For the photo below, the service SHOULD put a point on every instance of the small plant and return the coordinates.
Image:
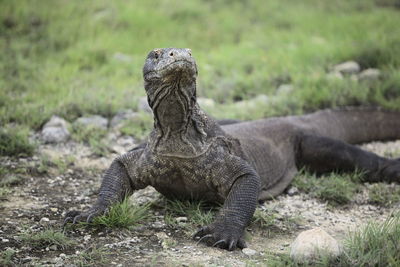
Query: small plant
(197, 212)
(10, 180)
(384, 194)
(14, 142)
(123, 215)
(91, 257)
(4, 191)
(6, 257)
(46, 238)
(334, 188)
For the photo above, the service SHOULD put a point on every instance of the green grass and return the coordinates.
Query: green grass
(123, 215)
(59, 57)
(198, 213)
(92, 136)
(335, 189)
(6, 257)
(45, 238)
(14, 141)
(384, 194)
(92, 257)
(374, 244)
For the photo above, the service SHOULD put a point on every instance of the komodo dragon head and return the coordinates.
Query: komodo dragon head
(170, 82)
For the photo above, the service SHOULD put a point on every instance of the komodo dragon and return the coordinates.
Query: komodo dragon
(188, 155)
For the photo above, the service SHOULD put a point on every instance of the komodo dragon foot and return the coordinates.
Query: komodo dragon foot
(86, 216)
(221, 236)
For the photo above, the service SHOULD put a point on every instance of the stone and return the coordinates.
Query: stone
(121, 117)
(335, 75)
(310, 244)
(249, 251)
(284, 89)
(44, 221)
(55, 130)
(143, 105)
(95, 121)
(348, 67)
(181, 219)
(369, 75)
(205, 102)
(293, 191)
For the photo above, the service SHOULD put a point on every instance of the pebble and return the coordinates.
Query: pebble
(93, 121)
(309, 244)
(249, 251)
(348, 67)
(181, 219)
(44, 221)
(370, 75)
(55, 130)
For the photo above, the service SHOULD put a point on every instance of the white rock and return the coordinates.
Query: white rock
(335, 75)
(122, 116)
(44, 221)
(369, 75)
(181, 219)
(311, 243)
(93, 121)
(205, 102)
(143, 105)
(348, 67)
(55, 130)
(249, 251)
(284, 89)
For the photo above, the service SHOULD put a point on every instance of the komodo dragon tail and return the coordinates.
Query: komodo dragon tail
(354, 125)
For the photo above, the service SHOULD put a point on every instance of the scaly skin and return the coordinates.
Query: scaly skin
(190, 156)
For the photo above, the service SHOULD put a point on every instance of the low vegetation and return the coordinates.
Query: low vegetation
(139, 127)
(14, 141)
(123, 215)
(335, 189)
(46, 238)
(384, 194)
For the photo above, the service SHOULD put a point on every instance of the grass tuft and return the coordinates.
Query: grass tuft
(6, 257)
(197, 212)
(93, 136)
(14, 141)
(384, 194)
(336, 189)
(123, 215)
(46, 238)
(139, 127)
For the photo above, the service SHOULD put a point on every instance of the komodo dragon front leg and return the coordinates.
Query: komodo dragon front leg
(227, 231)
(116, 185)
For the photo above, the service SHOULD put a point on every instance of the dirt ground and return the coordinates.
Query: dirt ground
(41, 200)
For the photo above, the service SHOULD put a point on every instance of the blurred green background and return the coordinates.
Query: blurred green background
(76, 57)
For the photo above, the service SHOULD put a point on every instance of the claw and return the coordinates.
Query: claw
(201, 230)
(76, 219)
(232, 245)
(201, 239)
(90, 218)
(67, 220)
(219, 242)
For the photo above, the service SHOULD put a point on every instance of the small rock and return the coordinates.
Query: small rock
(335, 75)
(44, 221)
(143, 105)
(93, 121)
(348, 67)
(284, 89)
(62, 255)
(249, 252)
(293, 191)
(53, 247)
(370, 75)
(205, 102)
(55, 130)
(181, 219)
(54, 209)
(121, 117)
(311, 243)
(87, 237)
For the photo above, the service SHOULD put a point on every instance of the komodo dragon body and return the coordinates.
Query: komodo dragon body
(188, 155)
